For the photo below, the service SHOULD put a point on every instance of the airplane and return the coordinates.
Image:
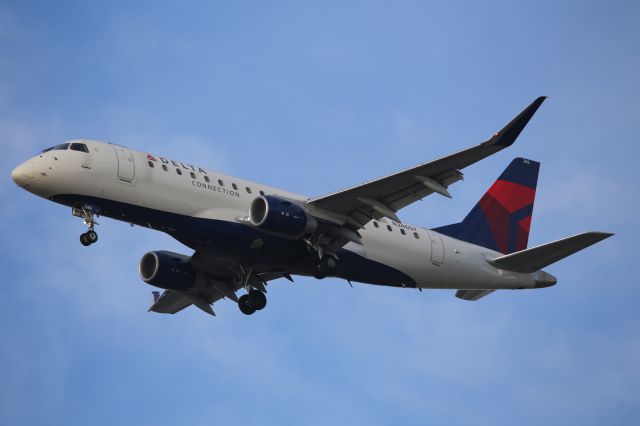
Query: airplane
(245, 234)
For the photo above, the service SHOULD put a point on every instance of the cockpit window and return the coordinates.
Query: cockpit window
(61, 147)
(79, 147)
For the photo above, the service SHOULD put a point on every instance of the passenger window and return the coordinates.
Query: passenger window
(375, 224)
(178, 171)
(234, 186)
(402, 231)
(220, 182)
(389, 228)
(164, 167)
(248, 190)
(206, 179)
(261, 192)
(415, 234)
(79, 147)
(193, 175)
(150, 163)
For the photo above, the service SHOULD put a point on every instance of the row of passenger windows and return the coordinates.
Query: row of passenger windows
(206, 178)
(402, 231)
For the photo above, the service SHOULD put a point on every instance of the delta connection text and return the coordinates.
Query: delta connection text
(198, 184)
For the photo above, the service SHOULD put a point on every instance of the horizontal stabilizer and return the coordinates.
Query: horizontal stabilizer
(472, 295)
(536, 258)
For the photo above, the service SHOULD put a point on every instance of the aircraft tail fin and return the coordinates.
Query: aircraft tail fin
(502, 218)
(536, 258)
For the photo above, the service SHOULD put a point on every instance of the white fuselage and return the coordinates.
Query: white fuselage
(147, 183)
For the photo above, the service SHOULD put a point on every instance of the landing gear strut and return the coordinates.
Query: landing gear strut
(91, 236)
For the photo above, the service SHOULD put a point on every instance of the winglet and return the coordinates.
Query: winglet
(508, 135)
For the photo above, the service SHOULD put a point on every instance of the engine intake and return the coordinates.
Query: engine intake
(281, 217)
(167, 270)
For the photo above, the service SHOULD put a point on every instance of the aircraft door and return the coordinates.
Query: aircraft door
(126, 166)
(437, 248)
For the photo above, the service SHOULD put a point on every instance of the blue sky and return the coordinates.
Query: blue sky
(314, 97)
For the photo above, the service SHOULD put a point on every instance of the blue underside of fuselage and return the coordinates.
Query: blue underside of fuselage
(240, 243)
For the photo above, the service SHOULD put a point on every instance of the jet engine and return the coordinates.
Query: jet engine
(167, 270)
(282, 217)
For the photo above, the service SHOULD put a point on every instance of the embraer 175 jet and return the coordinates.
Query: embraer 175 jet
(245, 234)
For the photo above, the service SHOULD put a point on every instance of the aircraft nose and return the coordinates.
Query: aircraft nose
(21, 175)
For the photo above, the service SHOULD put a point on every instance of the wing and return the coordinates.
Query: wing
(169, 302)
(383, 197)
(216, 279)
(173, 301)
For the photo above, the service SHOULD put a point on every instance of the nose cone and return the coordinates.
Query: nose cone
(544, 279)
(21, 175)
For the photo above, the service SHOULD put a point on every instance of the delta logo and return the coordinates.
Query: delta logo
(176, 164)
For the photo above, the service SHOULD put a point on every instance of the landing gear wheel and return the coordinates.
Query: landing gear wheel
(324, 266)
(87, 214)
(245, 307)
(319, 273)
(91, 236)
(329, 263)
(84, 240)
(257, 299)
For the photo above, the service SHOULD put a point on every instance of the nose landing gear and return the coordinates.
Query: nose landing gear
(91, 236)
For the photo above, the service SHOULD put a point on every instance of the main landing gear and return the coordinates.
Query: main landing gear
(253, 301)
(91, 236)
(324, 263)
(255, 298)
(324, 266)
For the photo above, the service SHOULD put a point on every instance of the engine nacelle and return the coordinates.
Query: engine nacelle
(167, 270)
(281, 217)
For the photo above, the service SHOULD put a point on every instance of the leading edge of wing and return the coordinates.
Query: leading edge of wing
(508, 135)
(502, 139)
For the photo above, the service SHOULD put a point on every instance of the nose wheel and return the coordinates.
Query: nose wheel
(91, 236)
